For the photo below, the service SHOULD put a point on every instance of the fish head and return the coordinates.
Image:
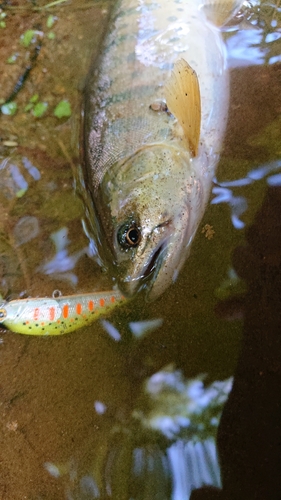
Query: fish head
(152, 198)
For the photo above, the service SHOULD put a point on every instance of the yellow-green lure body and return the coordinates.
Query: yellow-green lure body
(57, 315)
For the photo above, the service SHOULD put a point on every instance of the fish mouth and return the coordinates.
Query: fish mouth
(154, 262)
(144, 276)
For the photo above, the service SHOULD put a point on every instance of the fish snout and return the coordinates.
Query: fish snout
(144, 267)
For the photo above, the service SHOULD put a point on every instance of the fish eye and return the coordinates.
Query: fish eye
(133, 236)
(3, 313)
(129, 235)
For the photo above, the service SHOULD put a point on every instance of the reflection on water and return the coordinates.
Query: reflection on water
(129, 408)
(167, 446)
(238, 204)
(13, 182)
(62, 261)
(176, 407)
(258, 39)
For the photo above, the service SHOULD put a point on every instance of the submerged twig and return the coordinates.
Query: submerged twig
(55, 3)
(23, 77)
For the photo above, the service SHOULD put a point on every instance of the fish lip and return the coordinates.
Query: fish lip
(145, 278)
(155, 260)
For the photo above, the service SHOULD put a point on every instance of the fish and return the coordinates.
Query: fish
(57, 315)
(154, 116)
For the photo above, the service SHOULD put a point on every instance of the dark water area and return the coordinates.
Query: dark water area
(132, 413)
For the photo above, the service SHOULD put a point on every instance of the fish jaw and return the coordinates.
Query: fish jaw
(163, 195)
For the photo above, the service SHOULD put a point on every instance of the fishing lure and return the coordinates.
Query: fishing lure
(57, 315)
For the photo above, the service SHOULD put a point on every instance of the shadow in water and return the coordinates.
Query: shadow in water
(249, 435)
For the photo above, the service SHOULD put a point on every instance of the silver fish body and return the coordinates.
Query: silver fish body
(148, 190)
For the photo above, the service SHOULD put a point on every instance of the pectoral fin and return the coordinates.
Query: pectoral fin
(182, 95)
(219, 12)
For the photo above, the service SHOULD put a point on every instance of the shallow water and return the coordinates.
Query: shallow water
(77, 421)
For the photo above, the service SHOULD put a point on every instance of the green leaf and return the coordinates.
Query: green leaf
(63, 109)
(34, 98)
(39, 109)
(12, 59)
(50, 21)
(10, 108)
(27, 38)
(2, 24)
(51, 35)
(28, 107)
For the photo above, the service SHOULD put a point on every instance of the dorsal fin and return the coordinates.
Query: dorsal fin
(219, 12)
(182, 95)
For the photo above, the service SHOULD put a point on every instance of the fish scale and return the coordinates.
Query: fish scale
(119, 125)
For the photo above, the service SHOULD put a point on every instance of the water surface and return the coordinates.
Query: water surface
(83, 415)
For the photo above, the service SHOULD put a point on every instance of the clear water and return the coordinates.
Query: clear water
(134, 415)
